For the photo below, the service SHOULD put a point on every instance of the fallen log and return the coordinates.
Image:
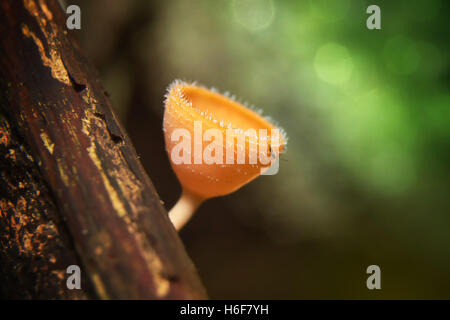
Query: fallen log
(72, 188)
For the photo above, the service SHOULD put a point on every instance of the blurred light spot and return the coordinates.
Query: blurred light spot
(254, 14)
(401, 55)
(333, 63)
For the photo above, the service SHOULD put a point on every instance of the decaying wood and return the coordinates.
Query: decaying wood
(72, 188)
(35, 249)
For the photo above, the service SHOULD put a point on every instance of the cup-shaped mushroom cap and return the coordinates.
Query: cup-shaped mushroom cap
(215, 144)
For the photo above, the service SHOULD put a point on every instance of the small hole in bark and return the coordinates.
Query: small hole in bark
(77, 86)
(115, 138)
(170, 277)
(100, 115)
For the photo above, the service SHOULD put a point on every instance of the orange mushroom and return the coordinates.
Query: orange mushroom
(215, 145)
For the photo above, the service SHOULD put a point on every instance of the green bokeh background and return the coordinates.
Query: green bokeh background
(366, 177)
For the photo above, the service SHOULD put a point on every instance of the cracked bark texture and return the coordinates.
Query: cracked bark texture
(72, 190)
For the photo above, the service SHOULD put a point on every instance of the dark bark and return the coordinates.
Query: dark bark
(73, 190)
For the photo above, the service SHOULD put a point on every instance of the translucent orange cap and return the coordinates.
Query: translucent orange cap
(203, 161)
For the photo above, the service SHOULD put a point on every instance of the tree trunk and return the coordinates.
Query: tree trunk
(72, 189)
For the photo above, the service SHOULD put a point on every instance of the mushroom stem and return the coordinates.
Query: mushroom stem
(184, 209)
